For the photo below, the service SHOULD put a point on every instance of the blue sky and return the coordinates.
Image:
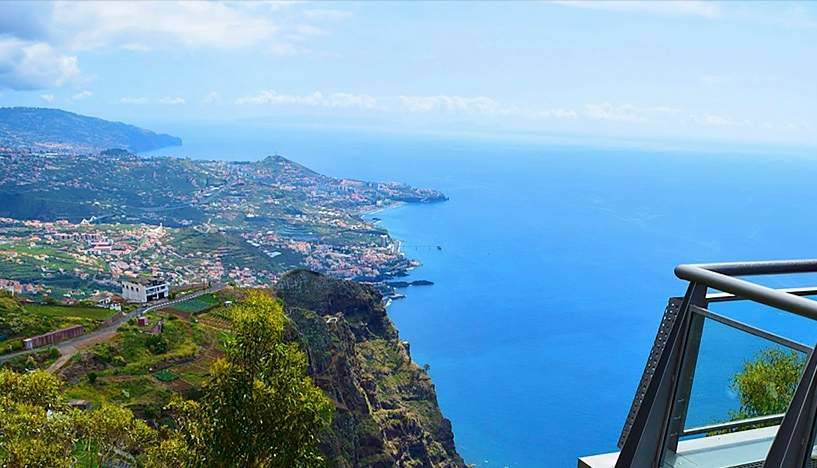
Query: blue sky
(675, 70)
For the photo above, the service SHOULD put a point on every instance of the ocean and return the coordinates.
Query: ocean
(554, 267)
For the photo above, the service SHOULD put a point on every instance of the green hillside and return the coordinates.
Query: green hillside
(40, 128)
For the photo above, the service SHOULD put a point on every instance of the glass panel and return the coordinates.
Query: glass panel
(741, 384)
(774, 320)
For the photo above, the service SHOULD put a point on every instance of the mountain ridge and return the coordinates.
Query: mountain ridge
(42, 128)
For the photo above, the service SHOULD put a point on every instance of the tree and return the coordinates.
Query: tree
(260, 408)
(35, 428)
(157, 344)
(172, 451)
(110, 431)
(766, 384)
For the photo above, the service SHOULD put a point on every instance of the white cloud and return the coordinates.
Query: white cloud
(480, 104)
(483, 105)
(715, 120)
(39, 40)
(49, 98)
(555, 114)
(326, 14)
(704, 9)
(82, 95)
(316, 99)
(151, 25)
(33, 65)
(147, 24)
(607, 111)
(133, 100)
(628, 112)
(172, 100)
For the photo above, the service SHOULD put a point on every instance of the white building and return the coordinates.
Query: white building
(145, 291)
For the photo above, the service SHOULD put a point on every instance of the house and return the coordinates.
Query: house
(145, 291)
(102, 299)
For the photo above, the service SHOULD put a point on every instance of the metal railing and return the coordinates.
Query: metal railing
(658, 414)
(769, 420)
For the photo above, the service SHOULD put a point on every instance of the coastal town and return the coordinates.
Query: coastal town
(188, 222)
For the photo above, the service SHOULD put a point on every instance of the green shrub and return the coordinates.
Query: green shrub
(157, 344)
(165, 376)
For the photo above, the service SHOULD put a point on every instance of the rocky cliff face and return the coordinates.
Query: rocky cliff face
(386, 406)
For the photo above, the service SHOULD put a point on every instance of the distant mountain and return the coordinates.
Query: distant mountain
(42, 129)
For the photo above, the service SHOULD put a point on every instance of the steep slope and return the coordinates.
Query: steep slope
(386, 406)
(39, 129)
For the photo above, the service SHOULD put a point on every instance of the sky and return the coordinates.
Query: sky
(674, 70)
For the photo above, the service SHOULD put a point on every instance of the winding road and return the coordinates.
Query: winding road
(70, 347)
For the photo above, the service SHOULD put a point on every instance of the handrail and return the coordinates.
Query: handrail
(660, 405)
(772, 267)
(702, 274)
(731, 425)
(726, 297)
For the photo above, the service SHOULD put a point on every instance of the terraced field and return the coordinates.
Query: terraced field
(142, 369)
(198, 304)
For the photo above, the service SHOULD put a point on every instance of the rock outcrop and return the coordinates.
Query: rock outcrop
(386, 406)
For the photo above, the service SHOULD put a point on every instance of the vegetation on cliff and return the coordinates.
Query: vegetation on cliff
(386, 411)
(317, 375)
(258, 408)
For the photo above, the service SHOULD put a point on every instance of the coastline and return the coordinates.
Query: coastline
(389, 292)
(380, 209)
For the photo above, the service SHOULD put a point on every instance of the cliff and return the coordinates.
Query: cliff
(386, 406)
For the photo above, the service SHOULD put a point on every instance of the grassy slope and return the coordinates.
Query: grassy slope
(198, 304)
(18, 321)
(70, 312)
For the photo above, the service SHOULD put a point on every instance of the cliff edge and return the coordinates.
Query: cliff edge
(386, 406)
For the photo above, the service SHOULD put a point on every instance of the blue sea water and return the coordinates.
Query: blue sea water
(555, 266)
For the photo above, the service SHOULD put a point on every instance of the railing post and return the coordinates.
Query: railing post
(792, 443)
(686, 373)
(643, 446)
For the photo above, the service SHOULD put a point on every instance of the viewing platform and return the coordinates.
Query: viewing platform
(719, 390)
